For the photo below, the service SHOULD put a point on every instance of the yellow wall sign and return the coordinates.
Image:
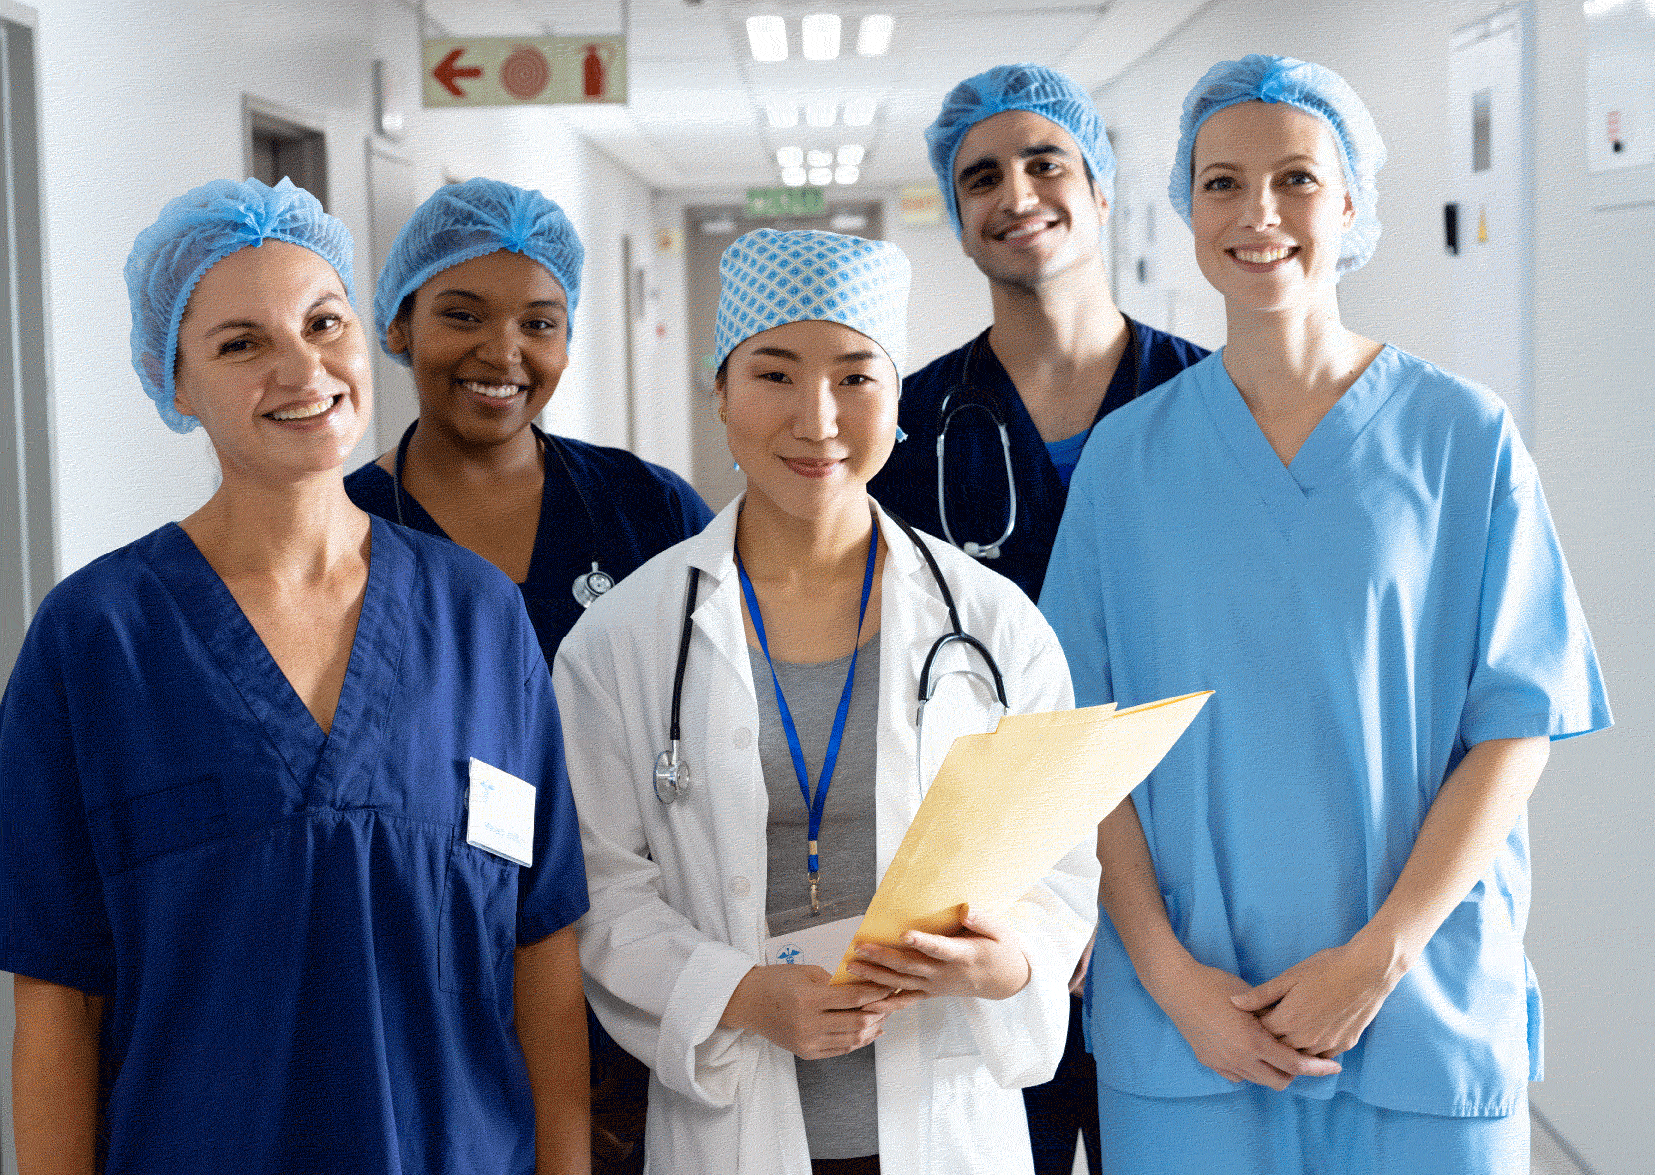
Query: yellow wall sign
(519, 71)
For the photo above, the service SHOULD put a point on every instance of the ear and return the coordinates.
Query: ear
(1103, 205)
(180, 401)
(1350, 209)
(721, 391)
(396, 335)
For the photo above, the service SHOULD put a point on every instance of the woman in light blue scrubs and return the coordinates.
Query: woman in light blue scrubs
(273, 904)
(1311, 957)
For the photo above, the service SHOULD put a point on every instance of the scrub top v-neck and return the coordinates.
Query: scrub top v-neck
(598, 505)
(1365, 614)
(307, 966)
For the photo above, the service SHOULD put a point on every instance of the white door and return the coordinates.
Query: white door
(1491, 185)
(392, 196)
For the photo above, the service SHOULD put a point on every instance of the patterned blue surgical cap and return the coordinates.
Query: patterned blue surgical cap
(194, 233)
(769, 278)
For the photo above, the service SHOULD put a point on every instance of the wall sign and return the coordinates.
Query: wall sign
(522, 71)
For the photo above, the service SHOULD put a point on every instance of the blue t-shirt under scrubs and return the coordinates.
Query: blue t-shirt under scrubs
(306, 967)
(1365, 615)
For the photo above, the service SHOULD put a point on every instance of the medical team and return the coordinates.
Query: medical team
(304, 864)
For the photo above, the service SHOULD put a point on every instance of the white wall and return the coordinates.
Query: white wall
(1592, 933)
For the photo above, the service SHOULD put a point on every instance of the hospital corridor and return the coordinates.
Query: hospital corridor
(654, 183)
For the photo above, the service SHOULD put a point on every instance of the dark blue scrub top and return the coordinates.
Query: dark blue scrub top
(976, 467)
(598, 504)
(307, 968)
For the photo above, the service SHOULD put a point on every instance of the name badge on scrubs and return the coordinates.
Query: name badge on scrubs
(823, 945)
(500, 819)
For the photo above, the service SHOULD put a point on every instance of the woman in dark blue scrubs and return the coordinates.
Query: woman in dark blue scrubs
(476, 300)
(287, 851)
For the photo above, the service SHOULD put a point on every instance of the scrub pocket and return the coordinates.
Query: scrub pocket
(135, 829)
(479, 920)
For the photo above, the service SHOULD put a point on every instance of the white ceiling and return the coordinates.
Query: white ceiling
(696, 118)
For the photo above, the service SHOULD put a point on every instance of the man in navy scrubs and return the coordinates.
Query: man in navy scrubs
(1026, 173)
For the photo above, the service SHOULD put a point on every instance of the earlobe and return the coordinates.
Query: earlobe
(180, 403)
(396, 335)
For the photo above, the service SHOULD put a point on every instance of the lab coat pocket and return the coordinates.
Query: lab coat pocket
(479, 920)
(134, 829)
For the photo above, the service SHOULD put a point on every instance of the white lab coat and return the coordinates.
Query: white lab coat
(678, 892)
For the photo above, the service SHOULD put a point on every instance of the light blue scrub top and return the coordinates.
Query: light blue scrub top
(1365, 616)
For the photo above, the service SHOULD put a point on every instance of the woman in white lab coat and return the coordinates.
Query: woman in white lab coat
(811, 327)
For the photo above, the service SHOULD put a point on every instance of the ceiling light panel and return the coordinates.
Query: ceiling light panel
(821, 176)
(873, 35)
(821, 113)
(789, 156)
(846, 175)
(859, 112)
(850, 155)
(782, 114)
(793, 177)
(820, 159)
(819, 34)
(767, 38)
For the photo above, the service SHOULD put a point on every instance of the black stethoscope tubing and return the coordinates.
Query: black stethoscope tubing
(672, 774)
(589, 585)
(983, 400)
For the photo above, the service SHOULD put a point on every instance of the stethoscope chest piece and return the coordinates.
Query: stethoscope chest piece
(672, 776)
(589, 585)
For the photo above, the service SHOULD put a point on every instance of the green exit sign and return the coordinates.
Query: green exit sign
(768, 202)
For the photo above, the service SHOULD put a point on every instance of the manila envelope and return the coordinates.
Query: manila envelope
(1008, 805)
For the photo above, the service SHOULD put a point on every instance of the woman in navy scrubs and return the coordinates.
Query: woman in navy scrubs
(273, 902)
(476, 300)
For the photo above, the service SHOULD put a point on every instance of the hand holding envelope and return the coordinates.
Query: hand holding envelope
(1006, 806)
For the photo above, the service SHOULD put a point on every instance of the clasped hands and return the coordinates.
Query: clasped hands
(1289, 1026)
(796, 1008)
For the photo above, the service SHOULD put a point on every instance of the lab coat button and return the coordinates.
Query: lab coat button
(740, 887)
(741, 736)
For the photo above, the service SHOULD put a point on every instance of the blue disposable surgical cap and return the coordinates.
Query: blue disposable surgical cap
(1051, 95)
(1313, 89)
(472, 219)
(197, 231)
(769, 278)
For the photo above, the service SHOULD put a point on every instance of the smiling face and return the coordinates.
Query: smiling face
(810, 414)
(274, 363)
(1028, 212)
(487, 339)
(1269, 206)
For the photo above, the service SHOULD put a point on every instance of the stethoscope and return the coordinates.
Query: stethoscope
(672, 773)
(588, 585)
(965, 396)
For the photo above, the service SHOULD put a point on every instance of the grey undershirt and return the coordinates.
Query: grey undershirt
(837, 1094)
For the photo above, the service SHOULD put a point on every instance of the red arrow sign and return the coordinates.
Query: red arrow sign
(446, 71)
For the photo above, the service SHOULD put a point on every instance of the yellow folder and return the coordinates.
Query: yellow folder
(1006, 806)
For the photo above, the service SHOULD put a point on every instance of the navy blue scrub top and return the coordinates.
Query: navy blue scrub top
(307, 968)
(976, 464)
(599, 504)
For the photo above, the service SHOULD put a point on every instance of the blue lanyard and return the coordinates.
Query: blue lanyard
(813, 804)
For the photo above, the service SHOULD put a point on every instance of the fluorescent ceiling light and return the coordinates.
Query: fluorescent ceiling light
(782, 114)
(850, 155)
(821, 176)
(789, 156)
(821, 113)
(820, 34)
(859, 111)
(847, 175)
(873, 36)
(793, 177)
(820, 158)
(767, 37)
